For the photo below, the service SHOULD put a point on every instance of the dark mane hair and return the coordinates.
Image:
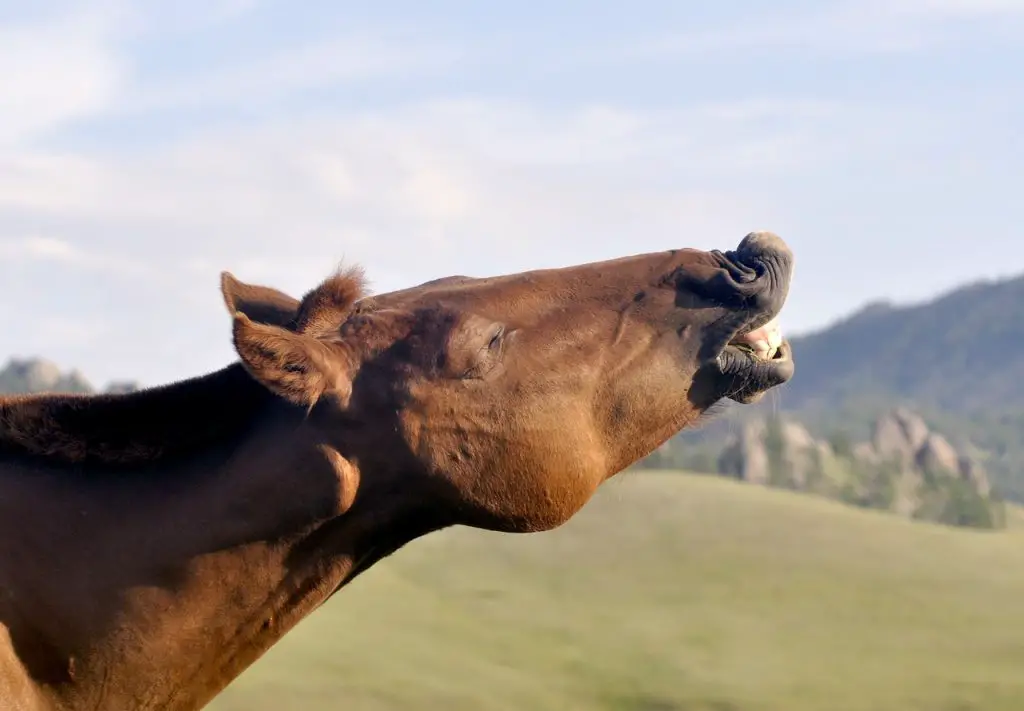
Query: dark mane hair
(132, 428)
(323, 309)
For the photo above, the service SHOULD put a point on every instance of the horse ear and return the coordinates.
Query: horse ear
(262, 304)
(294, 366)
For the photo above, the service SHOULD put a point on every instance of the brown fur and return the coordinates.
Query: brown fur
(220, 511)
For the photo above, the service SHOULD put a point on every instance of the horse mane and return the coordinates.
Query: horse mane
(132, 428)
(323, 309)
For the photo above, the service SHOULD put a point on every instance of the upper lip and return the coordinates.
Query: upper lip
(767, 337)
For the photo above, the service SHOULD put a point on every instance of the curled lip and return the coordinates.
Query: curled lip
(749, 355)
(756, 359)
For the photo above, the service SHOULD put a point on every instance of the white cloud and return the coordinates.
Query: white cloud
(339, 60)
(54, 332)
(38, 180)
(167, 18)
(184, 15)
(851, 27)
(126, 244)
(443, 187)
(42, 248)
(53, 72)
(52, 250)
(60, 68)
(444, 171)
(959, 8)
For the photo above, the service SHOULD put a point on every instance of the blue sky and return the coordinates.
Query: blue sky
(144, 147)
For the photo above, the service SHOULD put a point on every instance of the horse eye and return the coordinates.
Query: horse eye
(496, 338)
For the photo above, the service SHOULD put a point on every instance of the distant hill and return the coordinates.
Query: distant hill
(669, 592)
(958, 360)
(962, 353)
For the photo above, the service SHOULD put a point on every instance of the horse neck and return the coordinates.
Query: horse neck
(156, 589)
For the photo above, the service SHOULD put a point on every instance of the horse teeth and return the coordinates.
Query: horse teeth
(764, 349)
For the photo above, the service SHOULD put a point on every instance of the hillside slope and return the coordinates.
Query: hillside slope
(670, 593)
(963, 353)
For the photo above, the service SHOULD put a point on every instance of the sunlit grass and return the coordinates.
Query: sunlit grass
(671, 592)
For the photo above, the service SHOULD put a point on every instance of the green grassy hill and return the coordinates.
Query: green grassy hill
(671, 593)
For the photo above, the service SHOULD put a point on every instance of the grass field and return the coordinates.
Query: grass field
(670, 593)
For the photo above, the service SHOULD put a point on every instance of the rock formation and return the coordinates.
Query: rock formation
(905, 467)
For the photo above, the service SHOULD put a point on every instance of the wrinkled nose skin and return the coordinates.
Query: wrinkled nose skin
(771, 261)
(754, 284)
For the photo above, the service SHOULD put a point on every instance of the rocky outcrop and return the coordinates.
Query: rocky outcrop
(776, 453)
(38, 375)
(905, 467)
(937, 456)
(119, 387)
(746, 458)
(899, 435)
(924, 452)
(35, 375)
(972, 472)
